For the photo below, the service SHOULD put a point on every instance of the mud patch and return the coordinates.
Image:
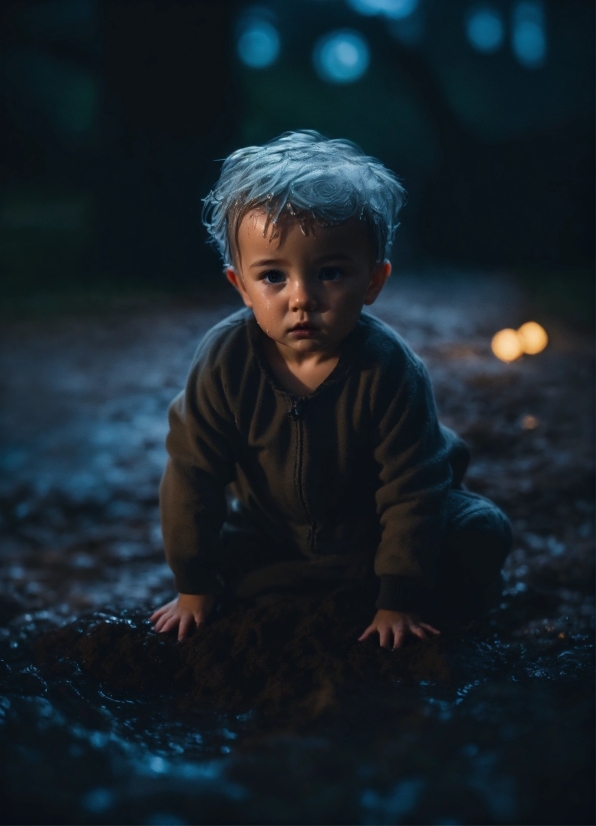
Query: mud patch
(288, 657)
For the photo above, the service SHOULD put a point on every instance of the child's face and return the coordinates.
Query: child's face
(306, 289)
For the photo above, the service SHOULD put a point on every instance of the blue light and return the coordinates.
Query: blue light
(394, 9)
(98, 800)
(258, 45)
(341, 57)
(485, 29)
(528, 39)
(408, 31)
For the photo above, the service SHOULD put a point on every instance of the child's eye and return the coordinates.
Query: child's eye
(273, 277)
(330, 274)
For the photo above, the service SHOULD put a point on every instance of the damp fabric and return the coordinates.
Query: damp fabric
(352, 478)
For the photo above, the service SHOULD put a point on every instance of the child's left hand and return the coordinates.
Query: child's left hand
(393, 627)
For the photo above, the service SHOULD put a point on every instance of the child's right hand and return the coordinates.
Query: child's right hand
(185, 613)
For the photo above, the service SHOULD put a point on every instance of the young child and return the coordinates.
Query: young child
(318, 416)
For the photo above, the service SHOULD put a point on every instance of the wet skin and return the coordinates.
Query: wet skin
(306, 285)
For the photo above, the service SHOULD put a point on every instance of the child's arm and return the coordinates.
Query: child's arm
(185, 613)
(202, 447)
(412, 453)
(394, 626)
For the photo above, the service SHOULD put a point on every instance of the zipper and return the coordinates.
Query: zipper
(297, 409)
(297, 415)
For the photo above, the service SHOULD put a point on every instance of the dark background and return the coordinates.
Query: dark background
(113, 114)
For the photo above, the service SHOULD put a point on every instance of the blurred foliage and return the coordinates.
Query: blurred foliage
(45, 231)
(379, 112)
(52, 96)
(492, 95)
(499, 99)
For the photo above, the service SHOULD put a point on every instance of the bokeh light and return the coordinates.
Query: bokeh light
(342, 56)
(530, 422)
(533, 338)
(485, 28)
(510, 344)
(408, 31)
(258, 44)
(528, 37)
(394, 9)
(506, 345)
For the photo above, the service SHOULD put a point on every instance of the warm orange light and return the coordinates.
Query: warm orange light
(533, 338)
(506, 345)
(530, 422)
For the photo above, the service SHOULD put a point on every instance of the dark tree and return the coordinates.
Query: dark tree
(171, 109)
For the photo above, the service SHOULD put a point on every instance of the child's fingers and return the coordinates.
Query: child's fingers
(398, 638)
(200, 619)
(184, 627)
(385, 635)
(159, 624)
(417, 631)
(163, 620)
(428, 627)
(165, 609)
(367, 633)
(170, 623)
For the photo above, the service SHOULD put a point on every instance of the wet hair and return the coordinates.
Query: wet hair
(309, 177)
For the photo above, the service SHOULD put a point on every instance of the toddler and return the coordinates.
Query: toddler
(305, 452)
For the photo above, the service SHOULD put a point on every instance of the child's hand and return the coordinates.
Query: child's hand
(394, 626)
(185, 613)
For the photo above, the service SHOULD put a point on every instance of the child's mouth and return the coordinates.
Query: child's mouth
(303, 330)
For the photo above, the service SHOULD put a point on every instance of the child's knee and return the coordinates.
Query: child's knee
(478, 535)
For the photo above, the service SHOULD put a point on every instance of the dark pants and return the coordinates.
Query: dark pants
(477, 541)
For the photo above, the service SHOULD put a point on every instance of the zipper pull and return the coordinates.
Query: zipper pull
(297, 409)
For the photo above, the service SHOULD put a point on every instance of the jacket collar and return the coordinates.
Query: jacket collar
(347, 356)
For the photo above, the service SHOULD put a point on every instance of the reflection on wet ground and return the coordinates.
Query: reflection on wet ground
(503, 734)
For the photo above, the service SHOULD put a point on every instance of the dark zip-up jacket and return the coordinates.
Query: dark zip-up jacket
(360, 468)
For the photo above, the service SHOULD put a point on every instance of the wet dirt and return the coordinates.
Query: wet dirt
(275, 714)
(285, 658)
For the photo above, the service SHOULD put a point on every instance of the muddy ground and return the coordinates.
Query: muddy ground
(103, 722)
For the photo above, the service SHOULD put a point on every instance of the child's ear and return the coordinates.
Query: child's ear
(237, 282)
(379, 275)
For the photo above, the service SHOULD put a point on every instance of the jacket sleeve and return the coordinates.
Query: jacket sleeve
(202, 445)
(412, 455)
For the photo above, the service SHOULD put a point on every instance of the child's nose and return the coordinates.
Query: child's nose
(303, 296)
